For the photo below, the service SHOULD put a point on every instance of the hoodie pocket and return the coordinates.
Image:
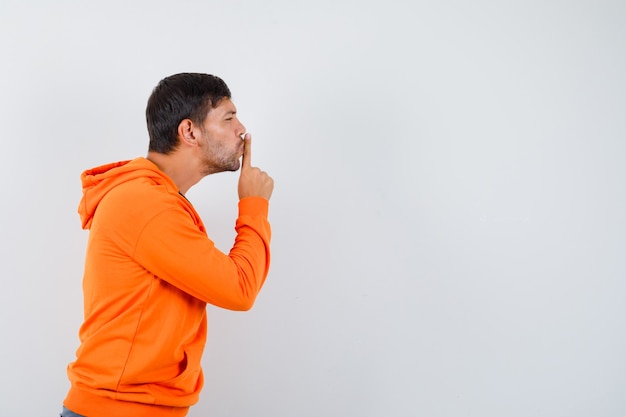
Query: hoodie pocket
(189, 380)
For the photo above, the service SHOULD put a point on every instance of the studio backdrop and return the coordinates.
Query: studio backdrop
(449, 208)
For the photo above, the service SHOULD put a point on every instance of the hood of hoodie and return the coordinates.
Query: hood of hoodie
(98, 181)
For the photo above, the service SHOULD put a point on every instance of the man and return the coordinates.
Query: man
(150, 268)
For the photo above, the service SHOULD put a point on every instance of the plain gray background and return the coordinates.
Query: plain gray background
(449, 212)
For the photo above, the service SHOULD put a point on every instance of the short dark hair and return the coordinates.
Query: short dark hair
(178, 97)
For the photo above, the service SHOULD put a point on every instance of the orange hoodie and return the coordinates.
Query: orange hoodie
(150, 269)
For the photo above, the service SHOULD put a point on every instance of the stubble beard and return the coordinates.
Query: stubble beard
(219, 158)
(213, 165)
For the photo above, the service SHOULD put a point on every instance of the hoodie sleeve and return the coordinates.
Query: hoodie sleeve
(173, 248)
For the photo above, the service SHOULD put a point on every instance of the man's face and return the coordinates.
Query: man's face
(220, 143)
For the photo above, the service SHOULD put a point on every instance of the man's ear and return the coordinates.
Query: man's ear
(187, 132)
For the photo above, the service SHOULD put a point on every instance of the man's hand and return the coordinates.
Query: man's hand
(252, 181)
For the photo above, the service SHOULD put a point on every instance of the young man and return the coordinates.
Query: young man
(150, 268)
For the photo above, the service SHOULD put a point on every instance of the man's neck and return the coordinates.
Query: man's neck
(177, 167)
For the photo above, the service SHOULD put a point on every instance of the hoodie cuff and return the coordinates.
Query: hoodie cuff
(253, 206)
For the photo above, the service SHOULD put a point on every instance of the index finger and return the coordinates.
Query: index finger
(247, 151)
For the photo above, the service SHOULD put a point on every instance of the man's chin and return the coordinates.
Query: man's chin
(234, 167)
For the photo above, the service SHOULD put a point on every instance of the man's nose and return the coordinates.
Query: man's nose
(241, 130)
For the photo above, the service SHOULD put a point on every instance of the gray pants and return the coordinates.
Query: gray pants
(69, 413)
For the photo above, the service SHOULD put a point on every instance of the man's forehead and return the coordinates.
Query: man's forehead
(225, 106)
